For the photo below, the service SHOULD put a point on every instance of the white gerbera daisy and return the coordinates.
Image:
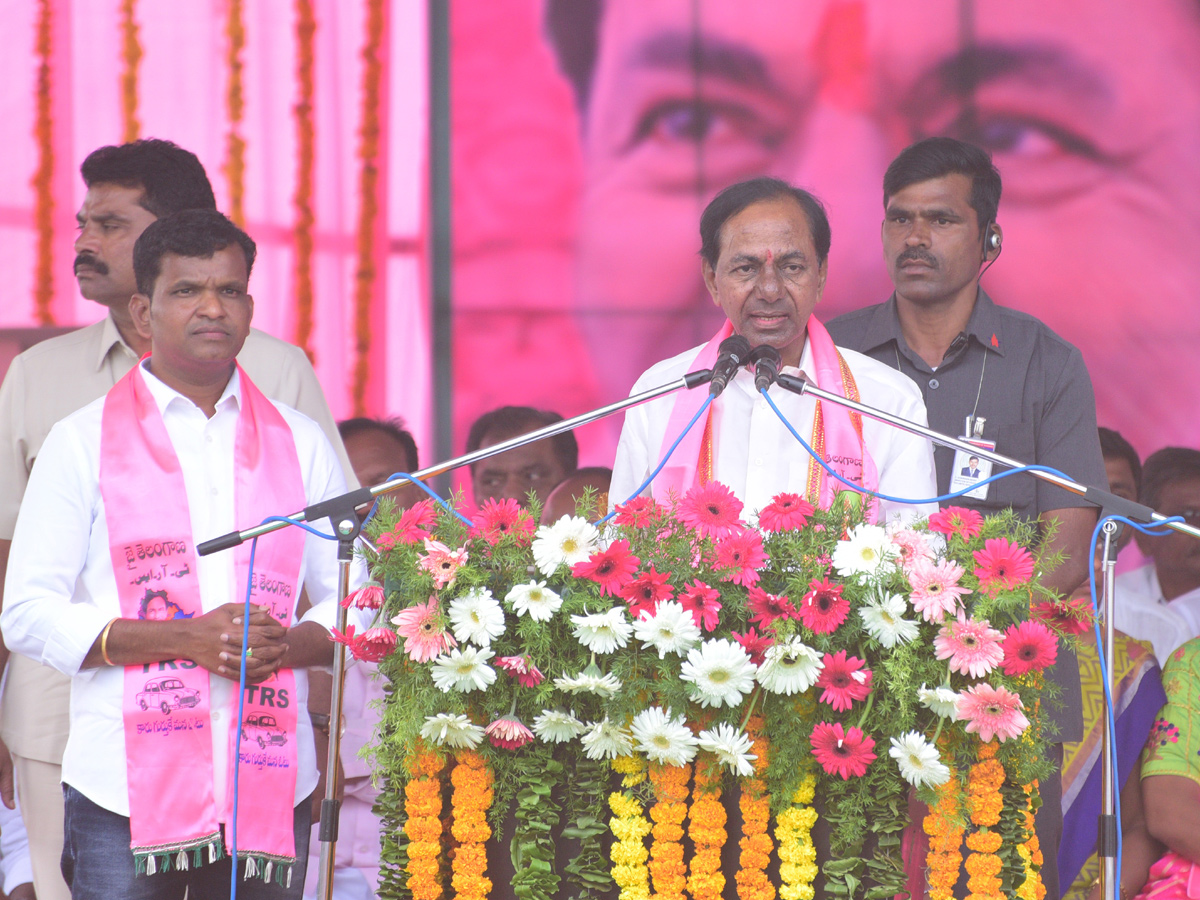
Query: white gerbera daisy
(662, 737)
(918, 760)
(603, 632)
(720, 673)
(941, 701)
(476, 616)
(867, 551)
(731, 748)
(790, 668)
(590, 681)
(534, 600)
(556, 727)
(605, 740)
(570, 540)
(670, 630)
(452, 730)
(884, 621)
(463, 669)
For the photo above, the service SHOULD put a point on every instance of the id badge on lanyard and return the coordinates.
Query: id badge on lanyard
(967, 469)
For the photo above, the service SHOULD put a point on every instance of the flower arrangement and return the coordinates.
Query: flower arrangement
(618, 686)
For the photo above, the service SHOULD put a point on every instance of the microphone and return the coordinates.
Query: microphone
(767, 363)
(732, 355)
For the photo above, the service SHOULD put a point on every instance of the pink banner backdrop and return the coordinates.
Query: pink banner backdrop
(577, 198)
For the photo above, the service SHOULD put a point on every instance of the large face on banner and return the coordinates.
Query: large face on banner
(1092, 114)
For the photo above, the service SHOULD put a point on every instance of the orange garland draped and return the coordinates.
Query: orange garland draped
(667, 869)
(235, 162)
(131, 58)
(985, 803)
(755, 804)
(43, 131)
(306, 26)
(423, 827)
(368, 195)
(706, 828)
(472, 780)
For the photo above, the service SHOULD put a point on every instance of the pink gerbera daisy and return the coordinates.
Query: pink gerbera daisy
(1002, 564)
(973, 647)
(423, 628)
(785, 512)
(508, 733)
(913, 546)
(374, 644)
(411, 527)
(843, 680)
(991, 712)
(754, 644)
(769, 607)
(966, 523)
(842, 752)
(612, 569)
(1028, 647)
(711, 509)
(441, 562)
(741, 551)
(520, 668)
(369, 596)
(935, 589)
(637, 513)
(1073, 616)
(497, 519)
(644, 593)
(704, 603)
(824, 608)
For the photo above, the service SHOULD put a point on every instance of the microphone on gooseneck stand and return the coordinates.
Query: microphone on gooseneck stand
(733, 353)
(767, 362)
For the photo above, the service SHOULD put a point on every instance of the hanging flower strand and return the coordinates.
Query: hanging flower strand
(302, 203)
(423, 825)
(471, 800)
(131, 58)
(43, 189)
(667, 867)
(706, 829)
(755, 803)
(235, 146)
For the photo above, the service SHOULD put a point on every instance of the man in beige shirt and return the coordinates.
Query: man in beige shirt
(128, 187)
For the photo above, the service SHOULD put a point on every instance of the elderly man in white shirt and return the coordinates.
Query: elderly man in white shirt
(764, 255)
(66, 606)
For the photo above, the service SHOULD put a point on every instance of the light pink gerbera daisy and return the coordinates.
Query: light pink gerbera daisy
(508, 733)
(935, 589)
(704, 603)
(1028, 647)
(913, 546)
(711, 509)
(423, 628)
(973, 647)
(611, 568)
(1002, 565)
(966, 523)
(992, 712)
(843, 680)
(369, 596)
(842, 752)
(742, 552)
(785, 512)
(522, 669)
(441, 562)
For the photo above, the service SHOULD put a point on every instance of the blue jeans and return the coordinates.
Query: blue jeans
(98, 864)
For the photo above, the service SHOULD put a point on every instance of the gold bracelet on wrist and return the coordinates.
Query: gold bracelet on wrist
(104, 642)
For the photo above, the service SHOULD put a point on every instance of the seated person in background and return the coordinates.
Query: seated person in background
(536, 467)
(379, 445)
(1160, 602)
(563, 499)
(1137, 696)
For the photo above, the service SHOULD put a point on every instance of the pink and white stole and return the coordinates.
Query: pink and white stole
(168, 746)
(837, 432)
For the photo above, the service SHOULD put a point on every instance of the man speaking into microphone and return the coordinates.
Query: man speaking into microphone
(764, 254)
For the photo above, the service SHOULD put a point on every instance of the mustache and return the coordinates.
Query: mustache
(90, 262)
(916, 254)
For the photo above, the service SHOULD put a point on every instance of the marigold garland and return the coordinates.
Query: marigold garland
(793, 834)
(985, 803)
(706, 829)
(755, 804)
(629, 852)
(667, 868)
(235, 146)
(131, 58)
(632, 768)
(944, 859)
(306, 26)
(42, 182)
(1030, 852)
(423, 826)
(472, 780)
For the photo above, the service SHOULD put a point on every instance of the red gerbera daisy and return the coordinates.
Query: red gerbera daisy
(966, 523)
(704, 603)
(1002, 564)
(637, 513)
(824, 608)
(369, 596)
(754, 644)
(373, 644)
(1028, 647)
(611, 569)
(742, 551)
(785, 512)
(769, 607)
(711, 509)
(411, 527)
(843, 680)
(644, 593)
(499, 518)
(1073, 616)
(842, 752)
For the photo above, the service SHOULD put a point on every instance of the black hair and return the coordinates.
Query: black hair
(194, 233)
(1114, 445)
(735, 198)
(1163, 467)
(171, 178)
(393, 428)
(937, 157)
(510, 421)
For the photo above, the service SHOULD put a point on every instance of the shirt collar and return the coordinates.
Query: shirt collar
(984, 325)
(110, 342)
(164, 395)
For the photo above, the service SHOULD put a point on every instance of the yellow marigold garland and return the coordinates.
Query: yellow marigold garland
(629, 852)
(306, 26)
(43, 178)
(131, 58)
(667, 868)
(423, 825)
(706, 829)
(1030, 852)
(633, 768)
(235, 147)
(985, 803)
(472, 798)
(755, 804)
(793, 834)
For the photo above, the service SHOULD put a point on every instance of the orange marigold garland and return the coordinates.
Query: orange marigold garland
(472, 780)
(302, 202)
(985, 803)
(423, 825)
(945, 842)
(755, 804)
(667, 868)
(43, 131)
(706, 829)
(1030, 852)
(235, 162)
(797, 854)
(628, 852)
(131, 58)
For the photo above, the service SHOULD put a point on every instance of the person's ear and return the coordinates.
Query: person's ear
(139, 311)
(710, 279)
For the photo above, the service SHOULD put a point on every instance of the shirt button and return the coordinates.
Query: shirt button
(216, 715)
(759, 461)
(934, 384)
(209, 438)
(215, 492)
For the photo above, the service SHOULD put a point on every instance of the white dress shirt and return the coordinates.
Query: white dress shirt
(757, 457)
(1143, 613)
(61, 591)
